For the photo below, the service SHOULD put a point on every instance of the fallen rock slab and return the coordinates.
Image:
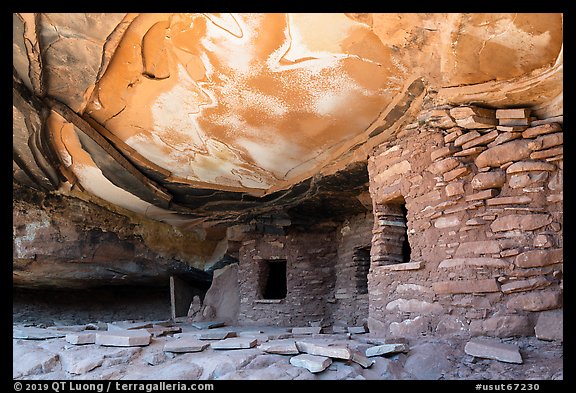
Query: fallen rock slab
(312, 363)
(484, 347)
(306, 330)
(123, 338)
(386, 349)
(362, 360)
(128, 325)
(280, 347)
(159, 330)
(208, 324)
(32, 361)
(34, 333)
(81, 338)
(235, 343)
(550, 326)
(357, 329)
(217, 335)
(185, 344)
(332, 351)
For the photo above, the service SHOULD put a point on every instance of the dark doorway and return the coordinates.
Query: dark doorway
(274, 278)
(406, 251)
(361, 258)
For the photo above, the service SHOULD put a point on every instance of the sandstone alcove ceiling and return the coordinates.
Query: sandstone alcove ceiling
(333, 195)
(203, 121)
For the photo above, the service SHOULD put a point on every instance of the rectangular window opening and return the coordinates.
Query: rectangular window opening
(273, 279)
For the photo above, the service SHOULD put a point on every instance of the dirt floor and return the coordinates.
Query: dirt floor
(91, 311)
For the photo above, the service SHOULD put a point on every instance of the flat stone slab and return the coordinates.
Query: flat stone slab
(280, 347)
(208, 324)
(81, 338)
(123, 338)
(306, 330)
(312, 363)
(331, 351)
(357, 329)
(159, 330)
(34, 333)
(235, 343)
(362, 360)
(216, 335)
(386, 349)
(185, 344)
(484, 347)
(128, 325)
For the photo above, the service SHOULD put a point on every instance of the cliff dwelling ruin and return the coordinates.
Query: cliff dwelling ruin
(288, 196)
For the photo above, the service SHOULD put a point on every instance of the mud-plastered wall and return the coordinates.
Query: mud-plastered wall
(478, 193)
(287, 280)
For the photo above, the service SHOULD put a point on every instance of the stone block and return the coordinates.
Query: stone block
(466, 286)
(543, 241)
(524, 285)
(185, 344)
(536, 301)
(478, 248)
(548, 153)
(81, 338)
(481, 195)
(386, 349)
(402, 266)
(312, 363)
(34, 333)
(471, 122)
(280, 347)
(546, 141)
(332, 351)
(123, 338)
(472, 151)
(485, 180)
(505, 137)
(443, 166)
(538, 258)
(414, 306)
(541, 130)
(515, 150)
(484, 347)
(235, 343)
(481, 140)
(523, 222)
(502, 326)
(467, 137)
(443, 152)
(512, 200)
(447, 222)
(512, 129)
(550, 326)
(527, 166)
(516, 122)
(462, 112)
(456, 173)
(307, 330)
(394, 170)
(409, 327)
(452, 135)
(526, 179)
(513, 113)
(455, 188)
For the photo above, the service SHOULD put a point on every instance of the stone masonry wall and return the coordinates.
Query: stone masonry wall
(310, 278)
(352, 265)
(484, 200)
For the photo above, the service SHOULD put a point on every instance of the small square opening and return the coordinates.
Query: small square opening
(273, 279)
